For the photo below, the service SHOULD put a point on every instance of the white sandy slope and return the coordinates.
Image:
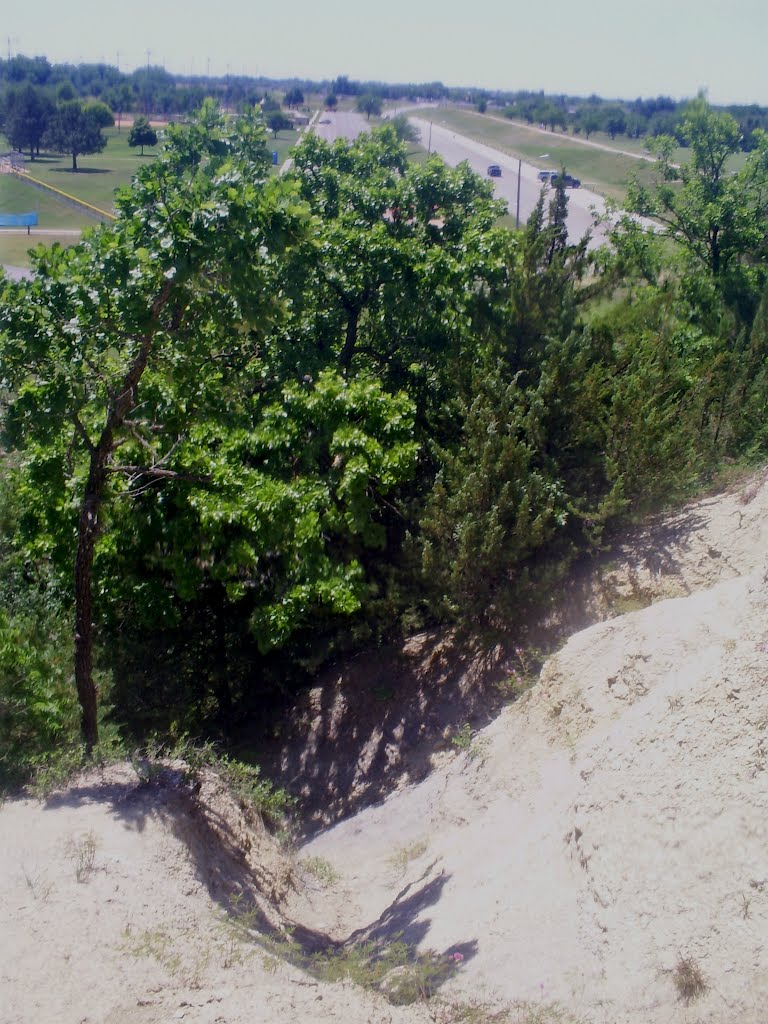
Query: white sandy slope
(612, 821)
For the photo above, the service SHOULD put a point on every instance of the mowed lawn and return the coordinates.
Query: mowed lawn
(94, 182)
(603, 172)
(14, 249)
(98, 175)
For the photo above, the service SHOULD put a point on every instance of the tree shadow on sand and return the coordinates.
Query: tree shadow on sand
(248, 888)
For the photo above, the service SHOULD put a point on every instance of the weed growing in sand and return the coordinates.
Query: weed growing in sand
(321, 870)
(402, 857)
(38, 885)
(745, 905)
(462, 740)
(396, 969)
(688, 979)
(153, 944)
(82, 853)
(459, 1012)
(525, 672)
(244, 780)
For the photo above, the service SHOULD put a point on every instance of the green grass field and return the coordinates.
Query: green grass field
(98, 175)
(14, 249)
(603, 172)
(18, 196)
(95, 183)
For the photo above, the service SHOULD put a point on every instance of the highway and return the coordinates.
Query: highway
(583, 205)
(454, 148)
(331, 125)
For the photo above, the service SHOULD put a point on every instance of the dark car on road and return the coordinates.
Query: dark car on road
(494, 171)
(568, 181)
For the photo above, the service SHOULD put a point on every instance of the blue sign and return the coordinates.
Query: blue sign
(18, 220)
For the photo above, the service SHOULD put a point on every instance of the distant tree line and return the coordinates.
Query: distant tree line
(153, 90)
(31, 120)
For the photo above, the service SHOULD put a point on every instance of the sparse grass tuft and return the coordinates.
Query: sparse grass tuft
(82, 853)
(38, 885)
(244, 780)
(402, 857)
(321, 870)
(688, 979)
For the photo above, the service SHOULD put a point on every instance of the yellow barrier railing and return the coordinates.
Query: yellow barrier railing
(24, 176)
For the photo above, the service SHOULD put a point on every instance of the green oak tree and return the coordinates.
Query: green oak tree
(73, 130)
(404, 130)
(369, 104)
(26, 113)
(716, 215)
(406, 258)
(278, 122)
(142, 134)
(157, 446)
(294, 97)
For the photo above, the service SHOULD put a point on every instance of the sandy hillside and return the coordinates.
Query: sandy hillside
(603, 830)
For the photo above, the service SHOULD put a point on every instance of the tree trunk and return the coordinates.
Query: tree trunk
(350, 340)
(74, 161)
(88, 528)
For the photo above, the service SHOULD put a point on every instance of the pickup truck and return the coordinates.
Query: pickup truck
(567, 179)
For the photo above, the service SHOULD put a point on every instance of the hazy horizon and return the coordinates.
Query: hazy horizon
(613, 49)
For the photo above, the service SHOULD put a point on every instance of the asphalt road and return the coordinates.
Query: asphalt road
(331, 125)
(583, 205)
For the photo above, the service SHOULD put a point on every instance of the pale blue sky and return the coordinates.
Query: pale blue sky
(620, 48)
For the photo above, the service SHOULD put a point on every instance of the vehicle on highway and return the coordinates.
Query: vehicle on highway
(494, 171)
(568, 181)
(546, 175)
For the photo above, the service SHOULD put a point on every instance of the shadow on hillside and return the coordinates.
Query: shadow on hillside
(127, 800)
(240, 870)
(656, 551)
(379, 721)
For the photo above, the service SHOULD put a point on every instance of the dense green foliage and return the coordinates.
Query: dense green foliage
(142, 134)
(259, 420)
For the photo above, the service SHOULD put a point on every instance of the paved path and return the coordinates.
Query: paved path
(16, 273)
(69, 232)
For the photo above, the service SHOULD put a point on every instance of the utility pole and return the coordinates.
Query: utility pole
(146, 94)
(119, 95)
(517, 211)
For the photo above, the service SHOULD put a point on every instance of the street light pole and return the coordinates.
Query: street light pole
(517, 211)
